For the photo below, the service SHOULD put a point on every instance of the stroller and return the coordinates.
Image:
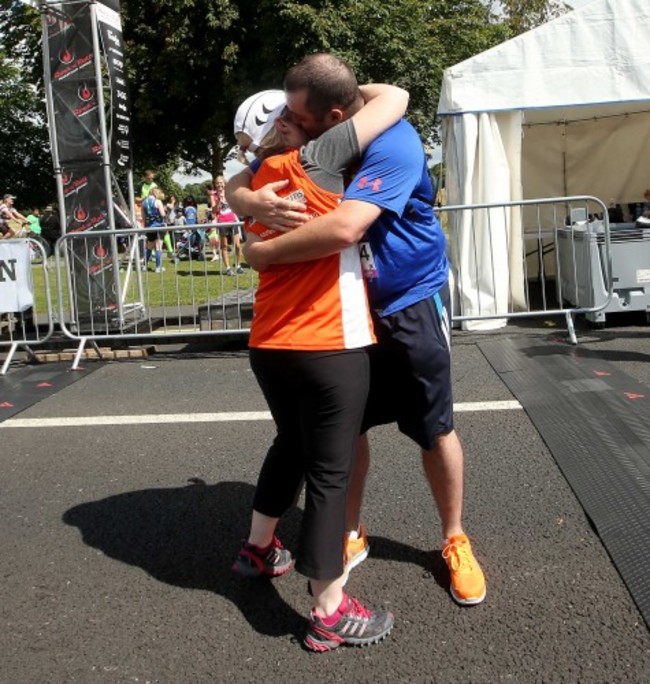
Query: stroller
(191, 245)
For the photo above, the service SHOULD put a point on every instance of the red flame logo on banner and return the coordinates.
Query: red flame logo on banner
(66, 56)
(85, 93)
(100, 252)
(80, 214)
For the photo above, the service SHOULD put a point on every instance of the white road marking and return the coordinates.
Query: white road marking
(471, 406)
(167, 418)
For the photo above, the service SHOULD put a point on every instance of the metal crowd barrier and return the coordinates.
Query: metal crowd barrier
(106, 291)
(31, 325)
(548, 257)
(544, 257)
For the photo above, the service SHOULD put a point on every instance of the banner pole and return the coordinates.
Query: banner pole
(106, 160)
(58, 172)
(134, 220)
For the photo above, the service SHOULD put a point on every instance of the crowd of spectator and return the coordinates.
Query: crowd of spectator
(189, 231)
(187, 226)
(42, 226)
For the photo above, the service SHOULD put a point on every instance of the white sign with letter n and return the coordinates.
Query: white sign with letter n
(16, 286)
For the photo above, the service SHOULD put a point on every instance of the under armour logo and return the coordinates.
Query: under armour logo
(375, 185)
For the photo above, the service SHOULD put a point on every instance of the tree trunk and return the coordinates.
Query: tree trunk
(217, 157)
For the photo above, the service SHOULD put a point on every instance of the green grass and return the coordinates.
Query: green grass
(184, 284)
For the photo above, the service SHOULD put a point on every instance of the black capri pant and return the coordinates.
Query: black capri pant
(317, 400)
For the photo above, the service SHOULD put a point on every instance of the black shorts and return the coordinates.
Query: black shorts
(410, 371)
(228, 232)
(152, 236)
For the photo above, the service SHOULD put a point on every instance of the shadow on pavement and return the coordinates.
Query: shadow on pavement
(431, 562)
(188, 537)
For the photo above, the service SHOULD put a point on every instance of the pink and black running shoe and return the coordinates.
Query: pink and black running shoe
(357, 626)
(272, 561)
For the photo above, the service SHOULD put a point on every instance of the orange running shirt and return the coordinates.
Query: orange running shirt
(315, 305)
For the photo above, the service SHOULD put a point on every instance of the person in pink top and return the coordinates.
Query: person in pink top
(222, 213)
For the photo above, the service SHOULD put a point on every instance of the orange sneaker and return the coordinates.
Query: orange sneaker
(355, 551)
(467, 580)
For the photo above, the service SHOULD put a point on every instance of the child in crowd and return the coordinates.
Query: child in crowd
(153, 212)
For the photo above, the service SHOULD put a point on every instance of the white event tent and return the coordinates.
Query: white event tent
(561, 110)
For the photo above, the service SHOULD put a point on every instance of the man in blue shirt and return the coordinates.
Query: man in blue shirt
(387, 209)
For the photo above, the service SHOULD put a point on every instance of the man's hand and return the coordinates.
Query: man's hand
(264, 205)
(274, 211)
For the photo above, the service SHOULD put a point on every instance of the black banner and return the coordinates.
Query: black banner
(69, 38)
(110, 30)
(84, 195)
(92, 273)
(78, 142)
(76, 115)
(73, 83)
(111, 4)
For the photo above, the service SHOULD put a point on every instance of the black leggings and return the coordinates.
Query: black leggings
(317, 400)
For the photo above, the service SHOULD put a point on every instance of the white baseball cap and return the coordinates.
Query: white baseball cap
(257, 114)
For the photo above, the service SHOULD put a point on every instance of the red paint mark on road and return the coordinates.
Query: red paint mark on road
(633, 395)
(601, 374)
(6, 404)
(44, 384)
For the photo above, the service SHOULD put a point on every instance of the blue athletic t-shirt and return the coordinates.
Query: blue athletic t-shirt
(403, 254)
(152, 216)
(191, 215)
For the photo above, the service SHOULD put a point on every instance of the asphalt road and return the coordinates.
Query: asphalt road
(117, 542)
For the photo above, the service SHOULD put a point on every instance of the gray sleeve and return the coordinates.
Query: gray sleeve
(327, 158)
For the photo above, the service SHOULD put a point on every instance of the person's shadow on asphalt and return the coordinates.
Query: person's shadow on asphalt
(188, 537)
(431, 562)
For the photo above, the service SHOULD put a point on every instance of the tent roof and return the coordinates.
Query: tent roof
(590, 57)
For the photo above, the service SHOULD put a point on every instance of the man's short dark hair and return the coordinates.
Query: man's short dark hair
(328, 80)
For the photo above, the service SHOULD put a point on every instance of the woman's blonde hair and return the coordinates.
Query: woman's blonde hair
(272, 143)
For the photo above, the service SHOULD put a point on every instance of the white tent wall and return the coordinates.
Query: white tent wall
(577, 90)
(606, 157)
(483, 156)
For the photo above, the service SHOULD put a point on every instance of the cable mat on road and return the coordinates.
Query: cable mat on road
(23, 387)
(595, 421)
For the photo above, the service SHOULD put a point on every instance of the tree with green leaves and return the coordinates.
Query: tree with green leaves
(194, 61)
(523, 15)
(25, 162)
(191, 62)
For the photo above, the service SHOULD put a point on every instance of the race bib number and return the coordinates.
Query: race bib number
(368, 267)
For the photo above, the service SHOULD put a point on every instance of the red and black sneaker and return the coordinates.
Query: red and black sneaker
(272, 561)
(356, 626)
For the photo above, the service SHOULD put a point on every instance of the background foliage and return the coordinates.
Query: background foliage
(191, 62)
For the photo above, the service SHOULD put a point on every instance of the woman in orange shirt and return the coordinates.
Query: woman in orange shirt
(310, 328)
